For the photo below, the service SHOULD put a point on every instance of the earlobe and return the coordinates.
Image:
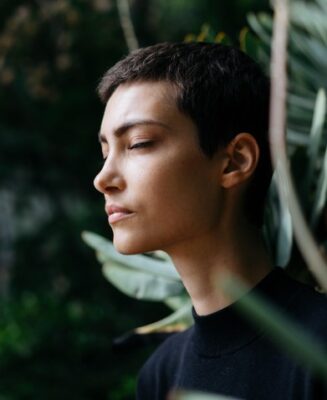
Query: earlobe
(242, 156)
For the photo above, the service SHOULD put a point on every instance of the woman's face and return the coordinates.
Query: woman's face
(160, 189)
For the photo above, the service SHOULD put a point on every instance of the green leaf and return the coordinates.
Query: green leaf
(303, 71)
(300, 101)
(315, 136)
(312, 48)
(302, 346)
(310, 17)
(323, 5)
(297, 138)
(271, 225)
(106, 252)
(182, 317)
(278, 227)
(256, 25)
(138, 276)
(285, 237)
(299, 116)
(141, 284)
(249, 43)
(161, 255)
(177, 302)
(321, 193)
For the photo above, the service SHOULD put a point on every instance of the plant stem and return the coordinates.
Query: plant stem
(127, 24)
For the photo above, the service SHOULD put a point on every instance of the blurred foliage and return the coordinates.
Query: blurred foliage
(52, 349)
(183, 16)
(306, 124)
(48, 120)
(58, 315)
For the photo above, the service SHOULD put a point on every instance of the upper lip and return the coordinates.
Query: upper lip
(113, 208)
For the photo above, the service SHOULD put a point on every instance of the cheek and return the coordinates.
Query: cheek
(181, 194)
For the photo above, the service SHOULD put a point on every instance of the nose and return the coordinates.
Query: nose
(108, 179)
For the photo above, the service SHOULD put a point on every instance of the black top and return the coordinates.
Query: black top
(224, 354)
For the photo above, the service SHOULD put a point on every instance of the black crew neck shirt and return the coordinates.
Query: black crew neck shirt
(223, 353)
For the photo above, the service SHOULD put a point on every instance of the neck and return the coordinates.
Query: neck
(203, 261)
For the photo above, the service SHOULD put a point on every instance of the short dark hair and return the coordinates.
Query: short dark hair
(219, 87)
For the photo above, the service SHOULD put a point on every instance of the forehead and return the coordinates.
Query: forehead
(141, 100)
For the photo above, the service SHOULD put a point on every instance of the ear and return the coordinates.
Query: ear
(242, 156)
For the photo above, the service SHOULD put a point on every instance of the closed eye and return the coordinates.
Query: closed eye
(140, 145)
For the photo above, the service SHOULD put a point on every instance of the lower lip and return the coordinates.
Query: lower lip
(113, 218)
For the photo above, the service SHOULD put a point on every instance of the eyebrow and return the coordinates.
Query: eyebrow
(132, 124)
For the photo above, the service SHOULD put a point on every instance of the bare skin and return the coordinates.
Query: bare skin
(173, 197)
(246, 259)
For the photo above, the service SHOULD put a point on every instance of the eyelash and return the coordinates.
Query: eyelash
(140, 145)
(135, 146)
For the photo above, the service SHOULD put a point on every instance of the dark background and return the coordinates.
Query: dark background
(58, 314)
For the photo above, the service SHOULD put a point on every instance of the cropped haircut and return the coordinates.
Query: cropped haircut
(220, 88)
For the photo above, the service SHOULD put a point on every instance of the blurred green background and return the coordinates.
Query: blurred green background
(58, 314)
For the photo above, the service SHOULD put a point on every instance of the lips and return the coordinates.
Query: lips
(117, 213)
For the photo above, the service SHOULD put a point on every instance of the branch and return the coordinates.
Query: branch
(127, 24)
